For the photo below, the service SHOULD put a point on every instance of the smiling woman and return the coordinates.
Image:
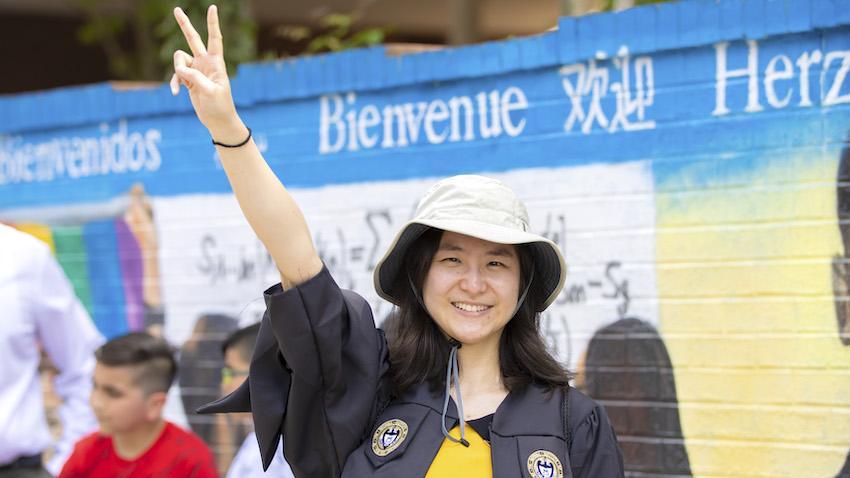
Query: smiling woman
(469, 282)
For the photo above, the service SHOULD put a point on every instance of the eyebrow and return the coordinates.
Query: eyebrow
(106, 386)
(500, 251)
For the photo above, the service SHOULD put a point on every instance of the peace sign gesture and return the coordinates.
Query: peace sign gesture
(205, 76)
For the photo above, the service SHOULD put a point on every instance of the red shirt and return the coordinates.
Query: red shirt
(176, 453)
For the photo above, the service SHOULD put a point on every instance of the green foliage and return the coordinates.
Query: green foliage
(238, 29)
(140, 43)
(609, 4)
(336, 33)
(155, 34)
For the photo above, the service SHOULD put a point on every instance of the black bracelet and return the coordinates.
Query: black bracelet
(243, 143)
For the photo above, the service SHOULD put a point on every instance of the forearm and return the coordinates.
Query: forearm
(77, 421)
(150, 282)
(269, 208)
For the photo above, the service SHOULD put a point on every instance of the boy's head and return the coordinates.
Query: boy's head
(238, 349)
(131, 381)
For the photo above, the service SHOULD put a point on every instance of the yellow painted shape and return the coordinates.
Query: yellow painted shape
(40, 231)
(746, 310)
(455, 460)
(751, 200)
(798, 314)
(732, 242)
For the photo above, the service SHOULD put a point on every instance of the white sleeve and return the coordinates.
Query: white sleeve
(70, 338)
(249, 464)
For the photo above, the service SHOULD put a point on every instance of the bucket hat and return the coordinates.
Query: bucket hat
(477, 206)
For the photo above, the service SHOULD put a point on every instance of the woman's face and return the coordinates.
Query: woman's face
(472, 287)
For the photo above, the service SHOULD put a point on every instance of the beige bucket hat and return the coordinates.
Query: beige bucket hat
(480, 207)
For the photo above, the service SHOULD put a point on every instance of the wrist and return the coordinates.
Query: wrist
(233, 132)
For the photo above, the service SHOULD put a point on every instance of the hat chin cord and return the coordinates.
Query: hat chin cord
(524, 294)
(452, 369)
(452, 375)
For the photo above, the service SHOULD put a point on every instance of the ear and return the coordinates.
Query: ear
(155, 405)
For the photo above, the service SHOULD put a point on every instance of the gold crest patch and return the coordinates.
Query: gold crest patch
(544, 464)
(389, 436)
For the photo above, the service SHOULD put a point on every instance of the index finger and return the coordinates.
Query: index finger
(192, 37)
(214, 41)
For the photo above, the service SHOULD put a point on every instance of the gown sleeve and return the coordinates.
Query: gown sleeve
(318, 376)
(595, 452)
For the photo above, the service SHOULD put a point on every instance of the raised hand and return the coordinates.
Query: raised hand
(205, 76)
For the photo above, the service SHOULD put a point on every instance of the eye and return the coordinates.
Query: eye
(496, 264)
(113, 393)
(453, 260)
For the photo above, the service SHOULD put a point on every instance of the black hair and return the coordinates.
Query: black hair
(243, 341)
(152, 357)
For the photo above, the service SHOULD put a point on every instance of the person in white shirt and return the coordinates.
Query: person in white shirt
(39, 308)
(238, 349)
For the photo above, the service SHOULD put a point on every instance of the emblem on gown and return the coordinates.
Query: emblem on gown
(389, 436)
(544, 464)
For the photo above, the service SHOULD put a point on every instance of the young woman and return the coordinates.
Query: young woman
(465, 387)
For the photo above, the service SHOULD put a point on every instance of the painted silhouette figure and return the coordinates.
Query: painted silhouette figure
(627, 368)
(200, 370)
(841, 264)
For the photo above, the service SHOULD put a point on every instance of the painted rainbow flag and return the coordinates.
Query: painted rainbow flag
(97, 256)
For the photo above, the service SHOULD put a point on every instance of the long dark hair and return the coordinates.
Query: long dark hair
(419, 351)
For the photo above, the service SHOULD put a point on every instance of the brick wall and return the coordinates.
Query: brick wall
(687, 157)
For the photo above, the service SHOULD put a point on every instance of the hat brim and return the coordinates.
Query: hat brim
(550, 267)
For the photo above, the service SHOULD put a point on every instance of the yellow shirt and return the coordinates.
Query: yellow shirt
(454, 459)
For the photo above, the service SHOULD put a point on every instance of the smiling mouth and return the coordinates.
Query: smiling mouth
(470, 307)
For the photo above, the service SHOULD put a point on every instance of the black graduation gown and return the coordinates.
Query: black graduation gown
(319, 376)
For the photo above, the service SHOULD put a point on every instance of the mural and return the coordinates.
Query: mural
(683, 156)
(840, 270)
(109, 253)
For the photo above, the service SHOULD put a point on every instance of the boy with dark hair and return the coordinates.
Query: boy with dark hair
(131, 379)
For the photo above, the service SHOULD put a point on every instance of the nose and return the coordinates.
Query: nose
(473, 281)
